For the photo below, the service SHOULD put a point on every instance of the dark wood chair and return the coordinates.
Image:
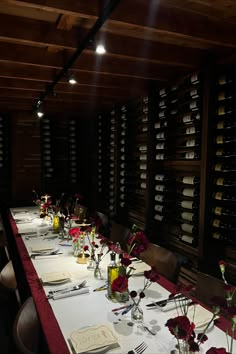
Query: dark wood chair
(119, 233)
(26, 328)
(208, 286)
(164, 261)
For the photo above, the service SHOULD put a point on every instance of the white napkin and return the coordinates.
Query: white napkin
(46, 256)
(70, 293)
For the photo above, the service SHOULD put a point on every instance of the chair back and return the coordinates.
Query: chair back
(26, 328)
(119, 233)
(164, 261)
(7, 277)
(208, 286)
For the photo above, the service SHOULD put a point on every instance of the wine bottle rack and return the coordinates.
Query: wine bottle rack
(73, 151)
(47, 161)
(223, 225)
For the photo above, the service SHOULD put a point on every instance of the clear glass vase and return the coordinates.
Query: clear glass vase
(97, 271)
(136, 314)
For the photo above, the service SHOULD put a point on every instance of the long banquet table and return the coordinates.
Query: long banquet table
(59, 318)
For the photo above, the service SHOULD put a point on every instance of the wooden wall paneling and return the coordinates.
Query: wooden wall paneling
(5, 159)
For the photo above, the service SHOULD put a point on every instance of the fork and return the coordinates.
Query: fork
(139, 349)
(67, 289)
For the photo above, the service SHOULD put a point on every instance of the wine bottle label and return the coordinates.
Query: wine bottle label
(194, 79)
(218, 210)
(160, 187)
(220, 139)
(122, 133)
(220, 181)
(122, 196)
(122, 204)
(187, 216)
(216, 223)
(160, 157)
(157, 125)
(143, 157)
(187, 228)
(216, 235)
(122, 141)
(123, 108)
(122, 165)
(188, 180)
(190, 155)
(193, 104)
(159, 217)
(122, 181)
(143, 148)
(220, 125)
(162, 103)
(143, 167)
(193, 93)
(122, 189)
(221, 96)
(219, 152)
(218, 195)
(160, 146)
(145, 99)
(143, 175)
(188, 192)
(123, 125)
(159, 177)
(159, 198)
(159, 208)
(145, 119)
(161, 114)
(190, 142)
(222, 80)
(145, 110)
(187, 239)
(143, 185)
(218, 167)
(144, 129)
(123, 116)
(187, 118)
(162, 92)
(221, 111)
(191, 130)
(160, 135)
(122, 173)
(187, 204)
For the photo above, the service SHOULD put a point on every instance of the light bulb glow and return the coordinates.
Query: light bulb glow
(72, 81)
(100, 49)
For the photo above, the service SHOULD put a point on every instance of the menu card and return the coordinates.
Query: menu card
(55, 276)
(92, 338)
(41, 248)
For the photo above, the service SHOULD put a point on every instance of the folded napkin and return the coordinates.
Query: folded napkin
(90, 339)
(46, 256)
(70, 293)
(40, 248)
(55, 276)
(140, 267)
(201, 317)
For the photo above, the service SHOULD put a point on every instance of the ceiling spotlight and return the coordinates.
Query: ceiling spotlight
(72, 80)
(100, 49)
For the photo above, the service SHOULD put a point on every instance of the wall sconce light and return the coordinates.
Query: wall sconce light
(39, 109)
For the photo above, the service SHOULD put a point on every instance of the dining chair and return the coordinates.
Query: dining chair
(26, 328)
(8, 280)
(208, 286)
(163, 260)
(119, 233)
(104, 224)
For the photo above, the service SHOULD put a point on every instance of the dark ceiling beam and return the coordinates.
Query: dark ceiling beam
(176, 25)
(64, 87)
(165, 55)
(44, 35)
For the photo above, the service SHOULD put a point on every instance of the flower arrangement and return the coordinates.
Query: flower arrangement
(75, 233)
(181, 326)
(44, 203)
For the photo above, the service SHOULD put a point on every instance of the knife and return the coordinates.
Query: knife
(69, 288)
(164, 302)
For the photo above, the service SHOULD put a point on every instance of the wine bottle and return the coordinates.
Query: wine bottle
(224, 236)
(161, 177)
(218, 210)
(161, 218)
(195, 180)
(161, 124)
(161, 188)
(224, 224)
(188, 239)
(225, 195)
(160, 156)
(225, 153)
(189, 192)
(187, 204)
(191, 118)
(225, 79)
(226, 138)
(226, 124)
(226, 94)
(161, 135)
(193, 218)
(189, 228)
(224, 167)
(192, 130)
(161, 146)
(225, 181)
(227, 108)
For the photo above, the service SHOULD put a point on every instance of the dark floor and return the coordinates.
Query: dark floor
(8, 310)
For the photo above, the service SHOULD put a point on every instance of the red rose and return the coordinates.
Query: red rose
(86, 247)
(74, 232)
(125, 261)
(214, 350)
(180, 327)
(120, 284)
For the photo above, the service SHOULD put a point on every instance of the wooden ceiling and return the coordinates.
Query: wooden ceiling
(148, 42)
